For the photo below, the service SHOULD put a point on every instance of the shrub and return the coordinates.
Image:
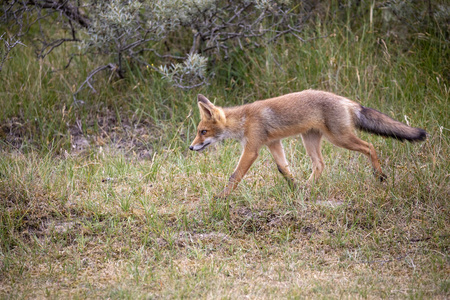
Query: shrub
(178, 35)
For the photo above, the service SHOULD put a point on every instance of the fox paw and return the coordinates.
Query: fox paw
(382, 177)
(220, 196)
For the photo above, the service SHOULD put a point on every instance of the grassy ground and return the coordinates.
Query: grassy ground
(101, 199)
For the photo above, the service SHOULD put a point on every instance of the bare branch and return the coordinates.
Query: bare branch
(160, 55)
(110, 66)
(8, 45)
(70, 11)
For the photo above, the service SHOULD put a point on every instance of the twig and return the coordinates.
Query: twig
(160, 55)
(111, 66)
(8, 48)
(188, 87)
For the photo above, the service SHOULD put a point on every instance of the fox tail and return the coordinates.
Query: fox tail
(373, 121)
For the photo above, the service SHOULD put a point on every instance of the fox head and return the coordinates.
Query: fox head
(211, 128)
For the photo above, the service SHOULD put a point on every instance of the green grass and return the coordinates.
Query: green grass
(103, 199)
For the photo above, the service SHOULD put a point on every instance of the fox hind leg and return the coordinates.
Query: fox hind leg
(352, 142)
(311, 141)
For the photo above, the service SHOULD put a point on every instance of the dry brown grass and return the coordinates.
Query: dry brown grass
(109, 225)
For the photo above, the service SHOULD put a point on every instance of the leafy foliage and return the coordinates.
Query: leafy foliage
(120, 30)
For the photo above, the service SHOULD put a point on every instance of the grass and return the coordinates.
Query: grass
(105, 226)
(103, 199)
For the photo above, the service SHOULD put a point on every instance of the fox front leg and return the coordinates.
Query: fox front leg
(248, 157)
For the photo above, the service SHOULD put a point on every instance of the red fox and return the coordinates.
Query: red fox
(312, 114)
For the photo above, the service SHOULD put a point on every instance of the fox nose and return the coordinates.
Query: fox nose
(191, 147)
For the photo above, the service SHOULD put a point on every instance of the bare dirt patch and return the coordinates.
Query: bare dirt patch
(106, 130)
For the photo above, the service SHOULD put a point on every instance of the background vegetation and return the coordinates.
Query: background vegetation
(99, 196)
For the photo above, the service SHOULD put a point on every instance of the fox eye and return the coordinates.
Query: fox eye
(203, 132)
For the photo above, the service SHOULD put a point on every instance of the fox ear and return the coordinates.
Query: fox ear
(203, 99)
(205, 106)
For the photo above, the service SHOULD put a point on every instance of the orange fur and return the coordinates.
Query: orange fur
(312, 114)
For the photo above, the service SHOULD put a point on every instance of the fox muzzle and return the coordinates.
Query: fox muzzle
(199, 147)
